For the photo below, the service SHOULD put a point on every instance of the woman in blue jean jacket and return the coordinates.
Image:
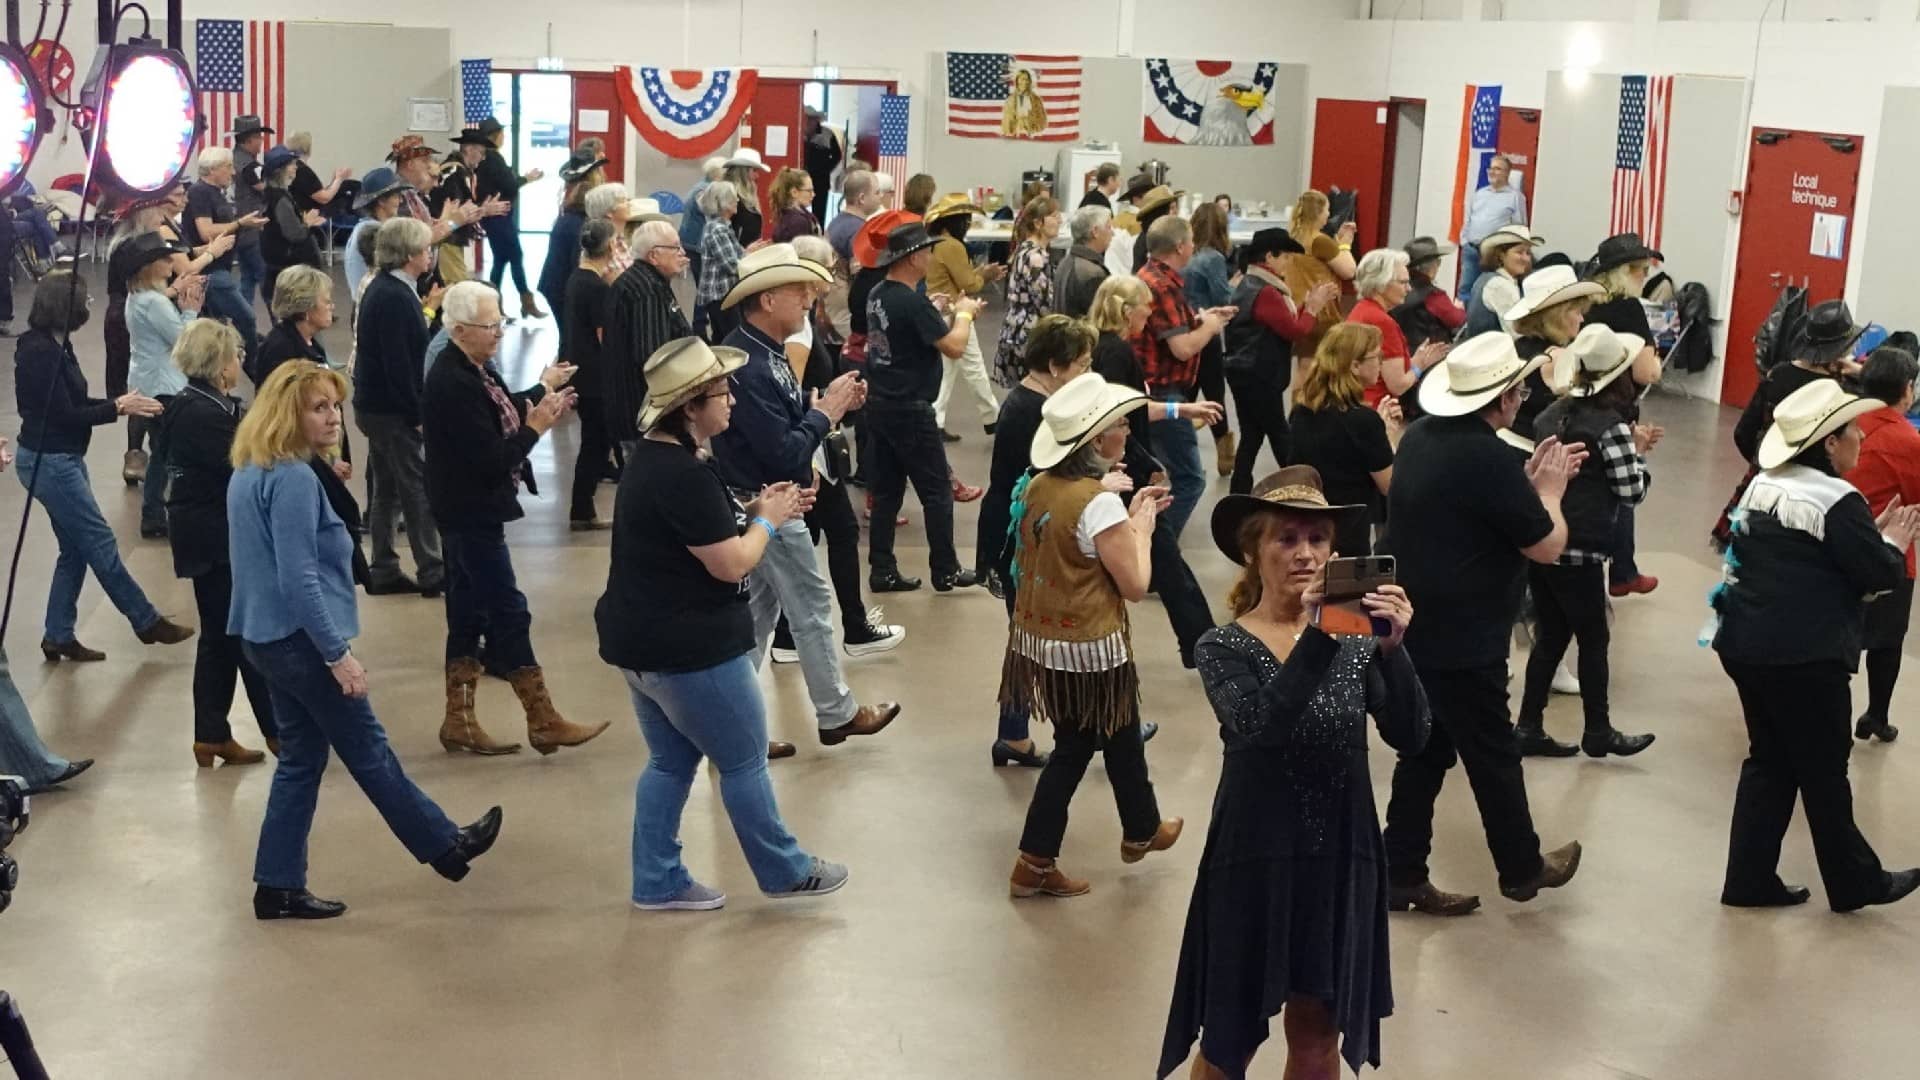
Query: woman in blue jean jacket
(293, 609)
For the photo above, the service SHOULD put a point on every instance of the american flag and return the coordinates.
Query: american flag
(978, 85)
(1479, 136)
(476, 89)
(893, 139)
(1640, 157)
(242, 71)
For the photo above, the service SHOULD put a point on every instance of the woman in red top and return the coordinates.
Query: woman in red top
(1383, 280)
(1888, 470)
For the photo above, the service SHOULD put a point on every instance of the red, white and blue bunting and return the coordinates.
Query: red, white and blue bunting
(685, 114)
(1208, 102)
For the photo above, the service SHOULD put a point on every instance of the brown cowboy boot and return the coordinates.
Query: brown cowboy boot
(547, 730)
(460, 730)
(1035, 876)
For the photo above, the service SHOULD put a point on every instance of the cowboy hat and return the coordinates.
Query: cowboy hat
(1808, 415)
(379, 183)
(1138, 185)
(678, 369)
(948, 206)
(1507, 236)
(1153, 200)
(1619, 251)
(1830, 333)
(279, 157)
(1075, 413)
(771, 267)
(473, 137)
(749, 157)
(148, 248)
(407, 147)
(1602, 356)
(644, 209)
(244, 126)
(490, 127)
(870, 243)
(1547, 287)
(577, 167)
(904, 241)
(1296, 488)
(1426, 249)
(1478, 370)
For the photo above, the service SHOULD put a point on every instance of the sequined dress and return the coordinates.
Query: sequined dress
(1292, 895)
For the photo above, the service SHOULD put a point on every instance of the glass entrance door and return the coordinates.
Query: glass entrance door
(537, 110)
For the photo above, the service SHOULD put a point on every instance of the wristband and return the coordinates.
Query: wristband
(1173, 410)
(1346, 247)
(967, 315)
(1414, 369)
(765, 524)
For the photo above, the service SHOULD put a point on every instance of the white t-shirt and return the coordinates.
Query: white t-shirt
(1103, 513)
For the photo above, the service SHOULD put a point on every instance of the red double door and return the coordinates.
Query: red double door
(779, 104)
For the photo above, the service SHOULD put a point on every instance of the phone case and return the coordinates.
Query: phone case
(1348, 581)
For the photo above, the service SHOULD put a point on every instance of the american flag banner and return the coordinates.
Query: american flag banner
(1479, 136)
(893, 139)
(476, 89)
(1640, 157)
(1013, 96)
(241, 68)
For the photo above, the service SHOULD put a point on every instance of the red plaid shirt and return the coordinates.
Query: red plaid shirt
(1170, 317)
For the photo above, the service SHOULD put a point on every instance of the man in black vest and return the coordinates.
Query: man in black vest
(1428, 313)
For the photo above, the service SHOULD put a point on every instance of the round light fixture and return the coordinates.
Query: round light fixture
(20, 117)
(147, 122)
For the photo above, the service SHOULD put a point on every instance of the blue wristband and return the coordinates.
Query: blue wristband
(1173, 410)
(765, 524)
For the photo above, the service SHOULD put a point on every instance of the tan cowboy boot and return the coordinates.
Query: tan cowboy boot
(460, 730)
(1035, 876)
(547, 730)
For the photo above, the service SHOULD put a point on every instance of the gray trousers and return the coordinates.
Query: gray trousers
(397, 484)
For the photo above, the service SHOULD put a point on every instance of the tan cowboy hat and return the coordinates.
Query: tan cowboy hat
(748, 157)
(949, 206)
(1548, 286)
(1603, 355)
(1808, 415)
(771, 267)
(678, 369)
(1296, 488)
(1478, 370)
(1509, 235)
(1155, 199)
(1077, 412)
(642, 210)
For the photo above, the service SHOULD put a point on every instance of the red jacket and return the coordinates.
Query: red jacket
(1889, 463)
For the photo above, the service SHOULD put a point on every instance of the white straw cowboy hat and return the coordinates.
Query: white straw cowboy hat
(1478, 370)
(1509, 235)
(748, 157)
(1548, 286)
(771, 267)
(1808, 415)
(645, 209)
(1602, 355)
(677, 370)
(1077, 412)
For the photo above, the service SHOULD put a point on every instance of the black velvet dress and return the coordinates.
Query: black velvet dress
(1292, 895)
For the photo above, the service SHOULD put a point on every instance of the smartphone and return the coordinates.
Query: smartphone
(1348, 581)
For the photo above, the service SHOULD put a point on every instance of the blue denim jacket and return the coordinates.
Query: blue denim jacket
(292, 560)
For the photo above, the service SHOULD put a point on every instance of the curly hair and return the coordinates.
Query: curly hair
(1057, 341)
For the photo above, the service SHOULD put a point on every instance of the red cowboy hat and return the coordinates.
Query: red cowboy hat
(871, 241)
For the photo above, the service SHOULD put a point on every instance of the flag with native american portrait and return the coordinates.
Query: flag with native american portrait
(1208, 102)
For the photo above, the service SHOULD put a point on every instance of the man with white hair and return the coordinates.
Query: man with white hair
(642, 316)
(211, 213)
(883, 192)
(860, 200)
(1085, 266)
(693, 222)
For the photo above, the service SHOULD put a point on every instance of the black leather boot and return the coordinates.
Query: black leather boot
(293, 904)
(1535, 742)
(473, 842)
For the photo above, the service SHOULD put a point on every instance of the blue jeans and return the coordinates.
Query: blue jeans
(153, 490)
(1177, 446)
(483, 600)
(86, 543)
(225, 300)
(715, 712)
(21, 751)
(253, 268)
(1469, 269)
(788, 580)
(313, 715)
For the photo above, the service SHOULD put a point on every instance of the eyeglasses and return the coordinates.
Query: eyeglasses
(728, 394)
(1525, 392)
(494, 328)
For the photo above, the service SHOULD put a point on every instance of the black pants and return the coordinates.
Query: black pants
(483, 600)
(1073, 748)
(1569, 604)
(503, 240)
(1213, 382)
(907, 448)
(1470, 726)
(217, 659)
(1178, 589)
(1261, 406)
(590, 467)
(1797, 744)
(1886, 634)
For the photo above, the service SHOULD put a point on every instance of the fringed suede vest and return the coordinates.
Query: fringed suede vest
(1069, 653)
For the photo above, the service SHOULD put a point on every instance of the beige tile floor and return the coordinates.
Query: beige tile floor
(132, 949)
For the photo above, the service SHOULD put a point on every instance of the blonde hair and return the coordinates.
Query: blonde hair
(205, 348)
(1116, 296)
(301, 142)
(1305, 224)
(1330, 381)
(1618, 281)
(1535, 323)
(784, 185)
(298, 290)
(274, 430)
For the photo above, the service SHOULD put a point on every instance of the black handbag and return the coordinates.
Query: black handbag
(839, 454)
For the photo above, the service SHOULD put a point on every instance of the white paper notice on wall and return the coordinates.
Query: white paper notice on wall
(1380, 115)
(1829, 235)
(593, 120)
(776, 141)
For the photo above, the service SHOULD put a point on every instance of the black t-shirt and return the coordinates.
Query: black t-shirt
(1347, 446)
(662, 611)
(1459, 511)
(305, 183)
(1539, 394)
(1116, 361)
(902, 325)
(581, 323)
(206, 201)
(1627, 315)
(858, 291)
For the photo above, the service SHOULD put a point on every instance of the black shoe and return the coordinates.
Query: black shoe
(1004, 754)
(1872, 727)
(1148, 729)
(434, 591)
(473, 842)
(964, 579)
(1535, 742)
(153, 530)
(293, 904)
(1619, 744)
(948, 436)
(989, 429)
(996, 585)
(73, 769)
(1781, 895)
(891, 581)
(871, 637)
(1900, 883)
(400, 586)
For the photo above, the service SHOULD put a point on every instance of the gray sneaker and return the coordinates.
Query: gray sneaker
(695, 897)
(822, 878)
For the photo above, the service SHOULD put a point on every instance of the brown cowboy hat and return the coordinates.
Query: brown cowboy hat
(1296, 489)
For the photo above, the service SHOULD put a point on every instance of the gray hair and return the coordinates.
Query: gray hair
(399, 241)
(1086, 220)
(814, 249)
(601, 200)
(650, 235)
(212, 158)
(463, 301)
(857, 185)
(714, 169)
(716, 198)
(204, 349)
(883, 182)
(300, 142)
(1085, 463)
(1376, 270)
(1165, 236)
(298, 290)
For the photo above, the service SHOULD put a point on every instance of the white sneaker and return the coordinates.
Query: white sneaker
(1564, 682)
(823, 877)
(785, 656)
(695, 897)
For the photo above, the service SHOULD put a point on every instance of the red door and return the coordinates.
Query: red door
(1520, 141)
(1796, 230)
(593, 92)
(866, 125)
(1350, 153)
(776, 105)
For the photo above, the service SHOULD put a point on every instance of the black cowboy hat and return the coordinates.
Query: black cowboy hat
(473, 137)
(1422, 249)
(1619, 251)
(491, 127)
(1830, 333)
(1138, 186)
(578, 166)
(1267, 242)
(244, 126)
(904, 241)
(149, 248)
